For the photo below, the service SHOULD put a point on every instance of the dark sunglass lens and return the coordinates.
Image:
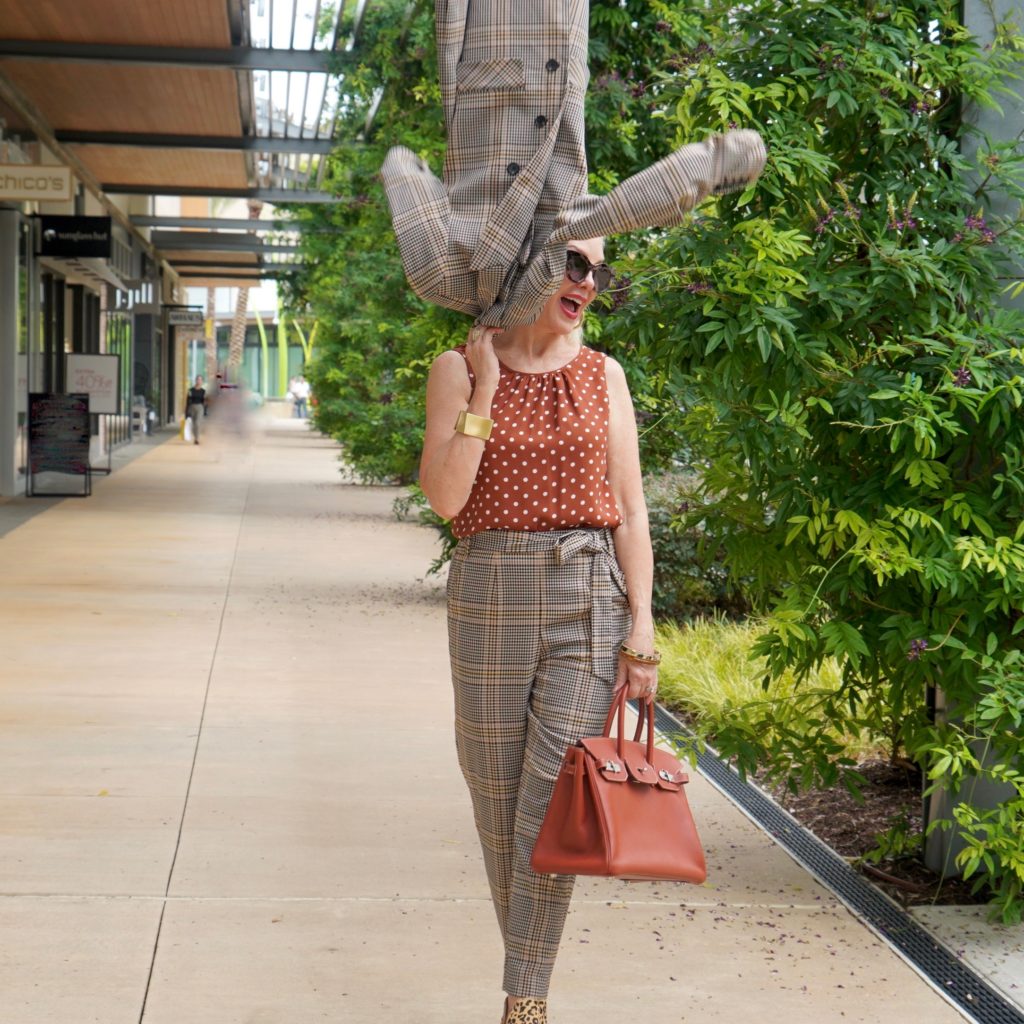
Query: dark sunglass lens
(602, 277)
(575, 266)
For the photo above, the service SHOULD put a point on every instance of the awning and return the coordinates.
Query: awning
(207, 98)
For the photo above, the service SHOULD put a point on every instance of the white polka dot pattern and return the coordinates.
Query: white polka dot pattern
(545, 466)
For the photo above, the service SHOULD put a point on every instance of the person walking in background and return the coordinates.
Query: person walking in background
(300, 393)
(531, 449)
(195, 406)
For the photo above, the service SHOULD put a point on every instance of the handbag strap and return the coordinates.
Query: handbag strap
(645, 715)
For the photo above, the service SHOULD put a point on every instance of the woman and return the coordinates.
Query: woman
(195, 406)
(531, 449)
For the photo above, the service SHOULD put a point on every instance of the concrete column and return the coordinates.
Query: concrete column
(9, 222)
(981, 17)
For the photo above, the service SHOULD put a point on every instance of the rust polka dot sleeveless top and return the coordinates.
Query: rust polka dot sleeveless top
(545, 465)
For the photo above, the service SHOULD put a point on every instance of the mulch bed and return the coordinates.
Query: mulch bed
(891, 794)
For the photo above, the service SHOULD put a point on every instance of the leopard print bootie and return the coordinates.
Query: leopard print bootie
(528, 1011)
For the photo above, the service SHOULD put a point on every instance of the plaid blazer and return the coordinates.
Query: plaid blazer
(490, 238)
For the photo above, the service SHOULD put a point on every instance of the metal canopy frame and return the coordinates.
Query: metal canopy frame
(265, 195)
(235, 58)
(239, 144)
(226, 223)
(230, 269)
(217, 241)
(286, 70)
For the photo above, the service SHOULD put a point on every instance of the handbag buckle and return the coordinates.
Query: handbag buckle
(666, 776)
(611, 766)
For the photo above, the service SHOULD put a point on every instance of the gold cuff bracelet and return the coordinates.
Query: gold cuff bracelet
(473, 426)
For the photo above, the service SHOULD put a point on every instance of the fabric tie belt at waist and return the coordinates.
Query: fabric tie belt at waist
(604, 564)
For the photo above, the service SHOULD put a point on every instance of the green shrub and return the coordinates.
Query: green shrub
(689, 581)
(851, 385)
(752, 717)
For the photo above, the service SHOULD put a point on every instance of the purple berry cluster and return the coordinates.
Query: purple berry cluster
(604, 82)
(619, 291)
(849, 209)
(917, 648)
(823, 222)
(979, 228)
(907, 224)
(921, 106)
(904, 223)
(962, 378)
(698, 287)
(829, 61)
(688, 58)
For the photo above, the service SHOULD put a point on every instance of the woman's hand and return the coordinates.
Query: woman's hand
(482, 358)
(640, 680)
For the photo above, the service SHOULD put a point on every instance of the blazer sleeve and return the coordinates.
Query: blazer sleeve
(664, 193)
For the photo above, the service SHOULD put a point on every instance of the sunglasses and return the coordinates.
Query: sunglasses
(577, 266)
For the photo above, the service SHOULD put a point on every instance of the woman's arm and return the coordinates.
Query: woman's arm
(450, 460)
(633, 535)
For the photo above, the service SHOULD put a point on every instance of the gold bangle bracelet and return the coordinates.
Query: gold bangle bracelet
(639, 656)
(473, 426)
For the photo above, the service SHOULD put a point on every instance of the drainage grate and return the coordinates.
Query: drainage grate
(954, 979)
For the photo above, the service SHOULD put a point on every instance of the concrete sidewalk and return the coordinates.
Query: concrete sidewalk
(229, 793)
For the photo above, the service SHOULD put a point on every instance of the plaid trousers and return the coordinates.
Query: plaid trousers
(534, 625)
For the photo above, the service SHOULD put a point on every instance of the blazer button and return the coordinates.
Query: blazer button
(513, 169)
(552, 65)
(541, 122)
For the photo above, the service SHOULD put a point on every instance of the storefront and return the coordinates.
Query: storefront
(15, 272)
(70, 284)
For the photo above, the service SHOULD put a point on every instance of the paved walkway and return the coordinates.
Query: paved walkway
(229, 794)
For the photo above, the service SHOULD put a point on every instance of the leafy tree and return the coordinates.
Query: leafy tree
(850, 383)
(375, 338)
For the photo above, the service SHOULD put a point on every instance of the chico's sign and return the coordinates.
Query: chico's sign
(28, 181)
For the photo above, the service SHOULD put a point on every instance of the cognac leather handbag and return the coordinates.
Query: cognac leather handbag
(619, 808)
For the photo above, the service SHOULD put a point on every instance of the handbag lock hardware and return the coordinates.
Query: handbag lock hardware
(611, 766)
(665, 776)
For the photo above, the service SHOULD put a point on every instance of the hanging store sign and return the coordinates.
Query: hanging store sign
(29, 181)
(183, 316)
(75, 237)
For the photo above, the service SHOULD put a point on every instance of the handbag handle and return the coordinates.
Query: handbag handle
(645, 714)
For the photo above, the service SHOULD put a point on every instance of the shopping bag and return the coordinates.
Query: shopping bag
(187, 430)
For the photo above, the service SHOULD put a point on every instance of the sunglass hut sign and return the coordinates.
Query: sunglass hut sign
(74, 236)
(25, 181)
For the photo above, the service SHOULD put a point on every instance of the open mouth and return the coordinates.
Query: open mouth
(571, 307)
